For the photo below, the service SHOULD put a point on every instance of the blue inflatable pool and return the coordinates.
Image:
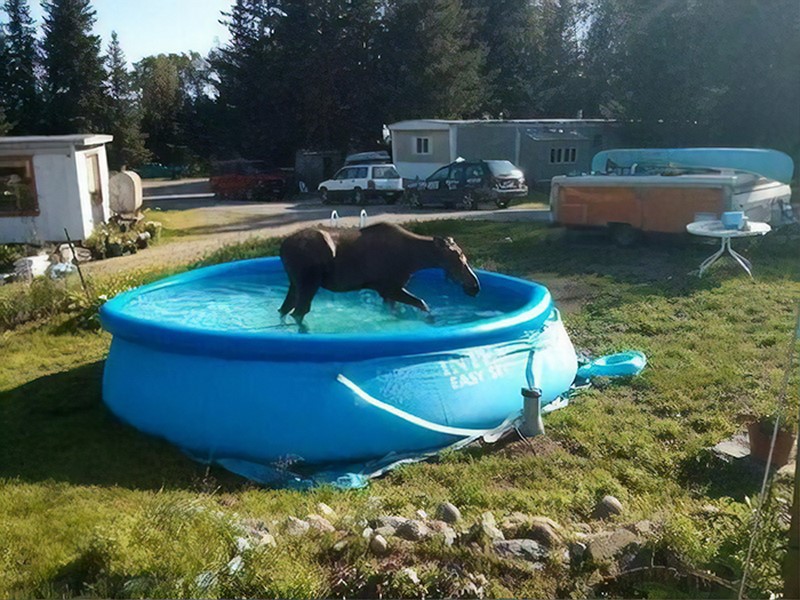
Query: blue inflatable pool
(202, 360)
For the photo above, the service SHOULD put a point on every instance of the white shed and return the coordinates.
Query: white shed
(49, 183)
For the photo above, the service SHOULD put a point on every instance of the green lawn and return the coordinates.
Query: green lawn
(91, 507)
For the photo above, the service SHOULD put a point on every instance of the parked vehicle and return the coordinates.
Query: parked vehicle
(648, 190)
(248, 180)
(360, 183)
(468, 184)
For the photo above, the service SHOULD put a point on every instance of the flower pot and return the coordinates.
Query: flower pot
(760, 434)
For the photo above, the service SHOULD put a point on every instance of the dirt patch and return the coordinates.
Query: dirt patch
(569, 293)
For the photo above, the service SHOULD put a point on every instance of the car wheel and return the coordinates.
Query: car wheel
(392, 199)
(325, 195)
(414, 200)
(358, 196)
(468, 202)
(501, 203)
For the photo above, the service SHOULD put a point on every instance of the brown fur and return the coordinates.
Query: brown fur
(381, 257)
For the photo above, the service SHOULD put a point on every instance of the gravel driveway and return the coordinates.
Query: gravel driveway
(214, 224)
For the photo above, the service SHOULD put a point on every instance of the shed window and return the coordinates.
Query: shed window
(563, 155)
(17, 189)
(422, 145)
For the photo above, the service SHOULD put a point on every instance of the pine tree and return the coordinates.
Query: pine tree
(19, 59)
(253, 86)
(510, 33)
(128, 147)
(74, 72)
(432, 66)
(5, 127)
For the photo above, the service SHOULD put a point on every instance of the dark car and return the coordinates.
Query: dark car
(467, 184)
(248, 180)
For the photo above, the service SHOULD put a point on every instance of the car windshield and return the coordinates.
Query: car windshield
(503, 168)
(385, 173)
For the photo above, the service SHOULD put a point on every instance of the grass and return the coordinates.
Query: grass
(90, 507)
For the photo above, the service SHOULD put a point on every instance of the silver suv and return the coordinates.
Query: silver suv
(360, 183)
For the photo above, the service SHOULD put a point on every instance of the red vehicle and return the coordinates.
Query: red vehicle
(248, 180)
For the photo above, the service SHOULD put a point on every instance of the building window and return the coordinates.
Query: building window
(17, 189)
(563, 155)
(422, 145)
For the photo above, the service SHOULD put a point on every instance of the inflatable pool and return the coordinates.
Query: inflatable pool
(202, 360)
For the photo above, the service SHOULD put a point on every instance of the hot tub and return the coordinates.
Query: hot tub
(202, 360)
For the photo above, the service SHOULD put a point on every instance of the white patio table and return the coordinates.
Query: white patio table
(715, 229)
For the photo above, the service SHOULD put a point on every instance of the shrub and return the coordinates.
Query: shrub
(8, 254)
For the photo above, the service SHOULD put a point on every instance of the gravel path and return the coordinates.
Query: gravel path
(280, 219)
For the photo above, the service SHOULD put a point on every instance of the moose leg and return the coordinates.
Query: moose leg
(289, 302)
(307, 288)
(405, 297)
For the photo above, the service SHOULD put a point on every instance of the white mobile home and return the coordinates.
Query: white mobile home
(52, 183)
(542, 148)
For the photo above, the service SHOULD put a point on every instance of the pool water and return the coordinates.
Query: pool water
(250, 301)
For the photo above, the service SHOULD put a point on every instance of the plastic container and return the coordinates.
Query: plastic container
(733, 219)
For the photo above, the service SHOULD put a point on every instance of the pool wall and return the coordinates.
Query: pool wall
(275, 398)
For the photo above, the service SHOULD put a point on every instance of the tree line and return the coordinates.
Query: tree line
(327, 74)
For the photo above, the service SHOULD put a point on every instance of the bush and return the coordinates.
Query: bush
(118, 238)
(8, 254)
(43, 297)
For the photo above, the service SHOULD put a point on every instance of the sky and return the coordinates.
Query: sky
(148, 27)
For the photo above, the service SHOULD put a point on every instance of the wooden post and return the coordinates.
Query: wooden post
(791, 565)
(77, 265)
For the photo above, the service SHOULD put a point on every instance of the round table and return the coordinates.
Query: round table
(715, 229)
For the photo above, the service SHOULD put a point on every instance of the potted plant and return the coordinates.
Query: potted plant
(760, 434)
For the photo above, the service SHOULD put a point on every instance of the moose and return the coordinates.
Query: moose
(380, 257)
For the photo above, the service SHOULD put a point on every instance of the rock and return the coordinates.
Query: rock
(379, 546)
(266, 539)
(608, 507)
(243, 544)
(488, 518)
(320, 523)
(205, 580)
(235, 565)
(609, 545)
(514, 522)
(257, 531)
(544, 531)
(577, 552)
(388, 521)
(443, 529)
(529, 550)
(367, 533)
(411, 574)
(644, 528)
(386, 531)
(296, 527)
(413, 530)
(325, 510)
(448, 513)
(484, 533)
(421, 515)
(449, 536)
(341, 545)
